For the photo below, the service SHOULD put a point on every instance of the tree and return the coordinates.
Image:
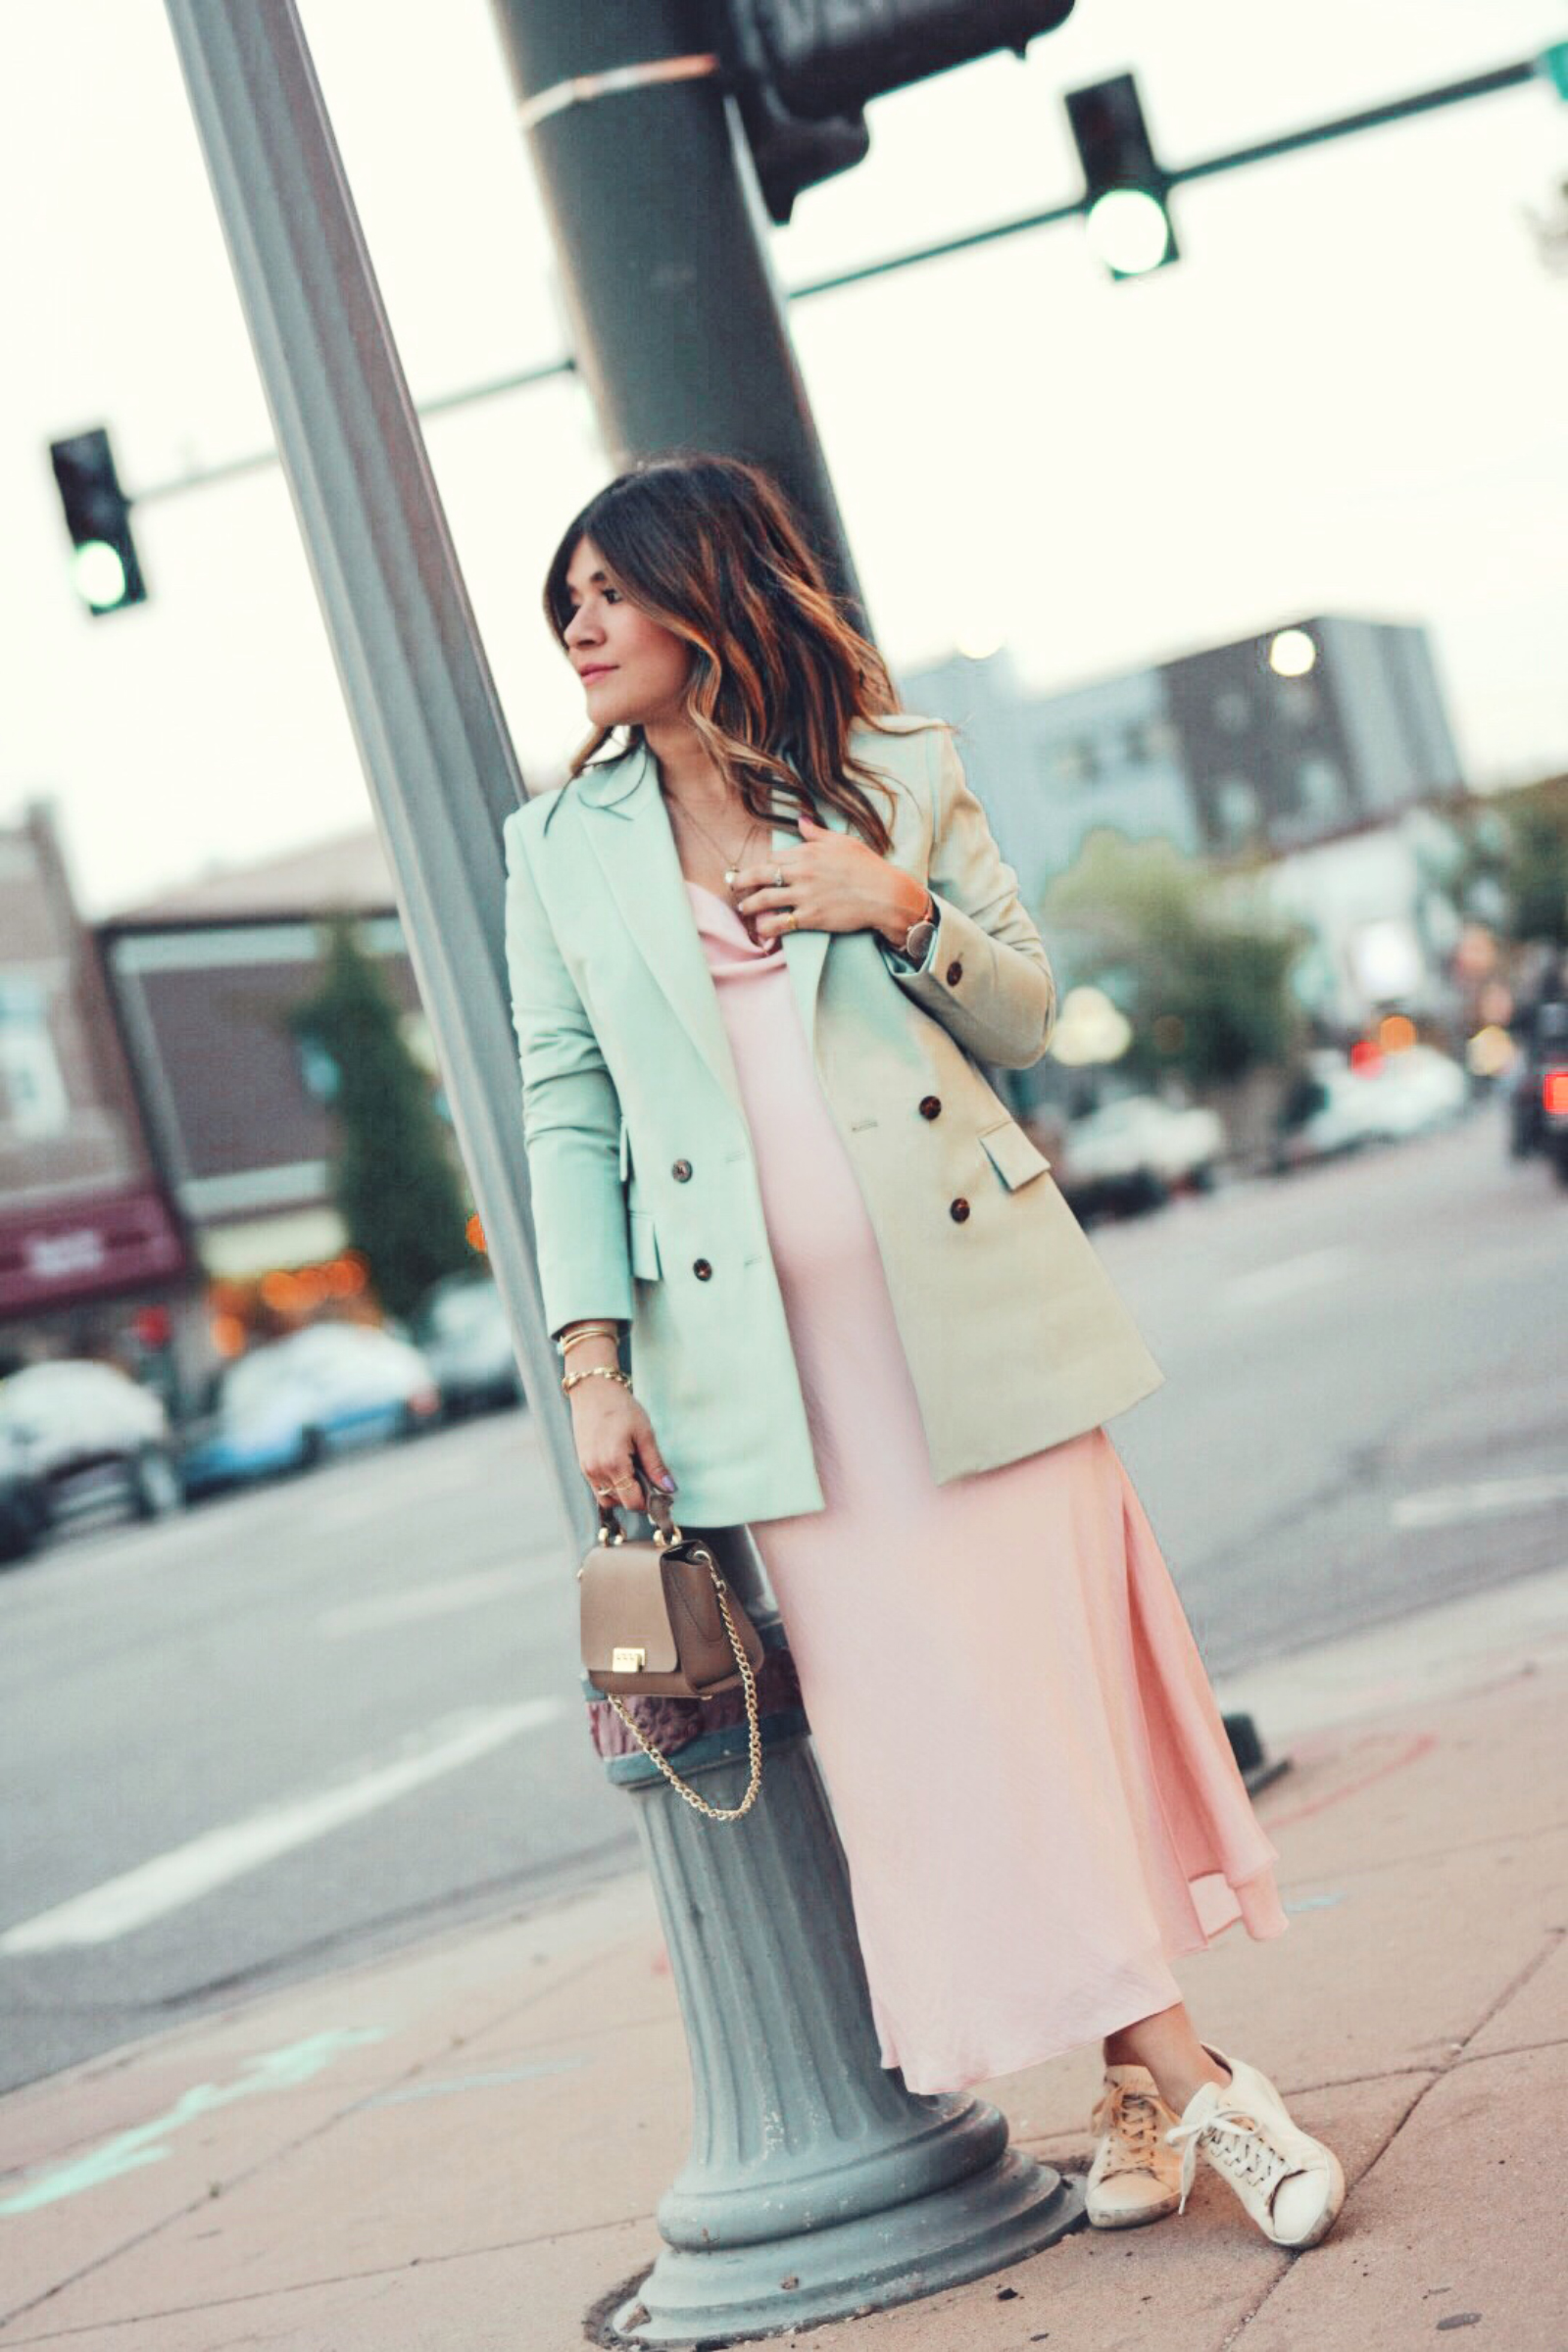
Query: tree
(1204, 980)
(1515, 874)
(394, 1182)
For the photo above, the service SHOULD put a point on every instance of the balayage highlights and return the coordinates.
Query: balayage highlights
(710, 548)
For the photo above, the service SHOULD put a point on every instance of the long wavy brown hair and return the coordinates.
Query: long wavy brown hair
(710, 548)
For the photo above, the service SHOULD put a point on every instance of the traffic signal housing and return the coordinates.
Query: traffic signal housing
(1127, 215)
(803, 70)
(106, 568)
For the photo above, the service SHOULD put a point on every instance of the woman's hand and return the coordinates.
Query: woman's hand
(615, 1437)
(834, 882)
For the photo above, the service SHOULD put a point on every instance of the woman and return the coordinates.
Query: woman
(758, 958)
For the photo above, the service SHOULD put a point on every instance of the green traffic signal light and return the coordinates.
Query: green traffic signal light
(105, 568)
(1127, 218)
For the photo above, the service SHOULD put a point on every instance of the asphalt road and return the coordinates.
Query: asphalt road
(284, 1730)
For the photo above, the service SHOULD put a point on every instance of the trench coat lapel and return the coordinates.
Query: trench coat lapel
(630, 832)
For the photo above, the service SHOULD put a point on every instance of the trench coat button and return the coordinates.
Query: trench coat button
(955, 972)
(681, 1170)
(958, 1210)
(702, 1269)
(930, 1105)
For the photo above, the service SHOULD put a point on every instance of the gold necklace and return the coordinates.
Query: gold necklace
(730, 869)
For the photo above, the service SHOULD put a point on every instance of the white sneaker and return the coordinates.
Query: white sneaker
(1291, 2183)
(1133, 2176)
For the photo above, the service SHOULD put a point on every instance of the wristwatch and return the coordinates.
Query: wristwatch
(917, 939)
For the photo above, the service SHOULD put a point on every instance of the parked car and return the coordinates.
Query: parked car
(1334, 1108)
(1419, 1089)
(1543, 1052)
(87, 1431)
(1132, 1153)
(327, 1390)
(24, 1499)
(461, 1329)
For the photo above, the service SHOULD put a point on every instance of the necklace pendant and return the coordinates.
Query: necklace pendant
(730, 873)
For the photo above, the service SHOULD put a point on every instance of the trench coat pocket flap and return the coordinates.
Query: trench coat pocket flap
(644, 1244)
(620, 1606)
(1012, 1153)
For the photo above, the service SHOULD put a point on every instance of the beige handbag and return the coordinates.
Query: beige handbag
(659, 1619)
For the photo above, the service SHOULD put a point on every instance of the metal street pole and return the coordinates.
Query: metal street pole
(438, 758)
(677, 320)
(817, 2185)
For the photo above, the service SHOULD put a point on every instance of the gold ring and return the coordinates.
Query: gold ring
(794, 921)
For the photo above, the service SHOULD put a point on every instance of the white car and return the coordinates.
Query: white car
(84, 1429)
(1143, 1134)
(1419, 1089)
(1341, 1108)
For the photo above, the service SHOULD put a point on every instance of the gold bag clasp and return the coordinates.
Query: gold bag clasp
(627, 1661)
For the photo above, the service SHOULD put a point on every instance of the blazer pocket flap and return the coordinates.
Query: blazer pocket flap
(1012, 1154)
(644, 1244)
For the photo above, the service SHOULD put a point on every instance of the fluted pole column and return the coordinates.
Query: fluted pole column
(817, 2185)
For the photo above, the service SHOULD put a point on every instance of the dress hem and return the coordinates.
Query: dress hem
(1264, 1918)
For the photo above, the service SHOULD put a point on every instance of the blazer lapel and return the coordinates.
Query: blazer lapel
(634, 845)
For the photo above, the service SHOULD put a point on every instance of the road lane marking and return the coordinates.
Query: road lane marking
(1448, 1506)
(187, 1872)
(1263, 1285)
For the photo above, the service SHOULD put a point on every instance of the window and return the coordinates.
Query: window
(1236, 806)
(1320, 789)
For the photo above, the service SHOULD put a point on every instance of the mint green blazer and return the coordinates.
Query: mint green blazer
(1013, 1332)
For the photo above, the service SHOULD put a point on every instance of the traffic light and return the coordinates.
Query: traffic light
(105, 568)
(804, 70)
(1128, 218)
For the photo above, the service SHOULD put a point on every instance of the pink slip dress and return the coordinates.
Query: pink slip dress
(1029, 1772)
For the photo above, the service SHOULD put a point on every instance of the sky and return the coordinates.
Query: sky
(1348, 396)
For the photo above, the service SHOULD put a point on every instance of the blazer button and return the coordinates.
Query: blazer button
(681, 1170)
(702, 1269)
(958, 1210)
(930, 1105)
(955, 972)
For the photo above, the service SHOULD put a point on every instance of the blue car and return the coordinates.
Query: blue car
(331, 1388)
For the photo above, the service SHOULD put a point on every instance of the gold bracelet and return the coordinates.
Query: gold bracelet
(598, 1372)
(589, 1331)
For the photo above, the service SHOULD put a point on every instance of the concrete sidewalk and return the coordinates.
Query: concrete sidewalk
(452, 2149)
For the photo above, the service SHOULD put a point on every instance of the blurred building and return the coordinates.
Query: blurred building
(93, 1257)
(1268, 744)
(1319, 732)
(204, 978)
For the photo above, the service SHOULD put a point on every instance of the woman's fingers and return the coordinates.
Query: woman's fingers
(652, 1461)
(614, 1465)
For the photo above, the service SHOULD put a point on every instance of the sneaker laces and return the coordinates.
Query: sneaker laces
(1131, 2118)
(1236, 2141)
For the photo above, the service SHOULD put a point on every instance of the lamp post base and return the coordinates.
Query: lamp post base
(817, 2187)
(1013, 2209)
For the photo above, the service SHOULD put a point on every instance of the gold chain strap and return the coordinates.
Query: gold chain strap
(753, 1736)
